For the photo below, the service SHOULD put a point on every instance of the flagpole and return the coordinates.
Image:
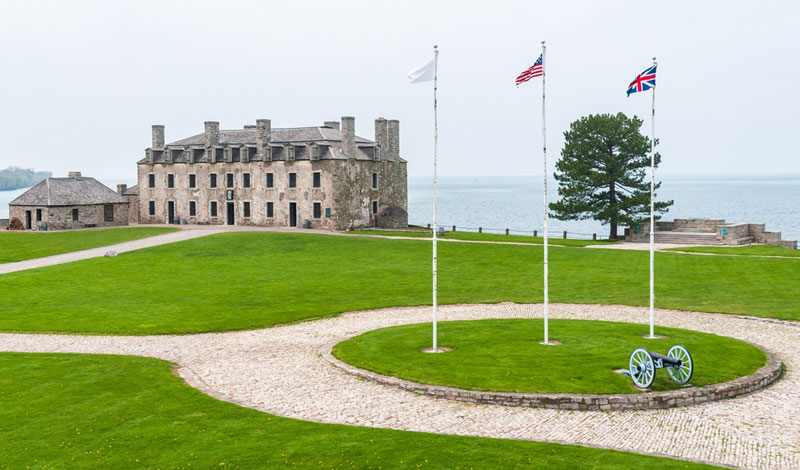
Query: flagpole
(652, 217)
(435, 147)
(544, 153)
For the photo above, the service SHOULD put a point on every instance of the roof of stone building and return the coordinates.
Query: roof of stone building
(327, 138)
(132, 191)
(277, 136)
(78, 191)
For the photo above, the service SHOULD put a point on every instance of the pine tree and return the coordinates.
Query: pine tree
(603, 172)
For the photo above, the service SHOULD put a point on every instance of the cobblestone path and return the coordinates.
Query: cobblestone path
(278, 370)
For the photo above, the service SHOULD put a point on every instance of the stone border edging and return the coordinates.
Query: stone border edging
(567, 401)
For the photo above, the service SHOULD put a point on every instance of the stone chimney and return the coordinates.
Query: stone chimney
(74, 174)
(212, 133)
(332, 124)
(381, 135)
(121, 189)
(263, 134)
(349, 136)
(393, 137)
(158, 137)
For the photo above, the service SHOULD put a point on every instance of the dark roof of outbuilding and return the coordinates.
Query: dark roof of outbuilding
(68, 192)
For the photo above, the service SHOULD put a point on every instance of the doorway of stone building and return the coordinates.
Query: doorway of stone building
(231, 213)
(28, 220)
(171, 212)
(292, 214)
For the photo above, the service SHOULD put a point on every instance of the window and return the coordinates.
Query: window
(192, 209)
(374, 181)
(270, 210)
(151, 180)
(151, 208)
(213, 208)
(317, 210)
(292, 180)
(192, 180)
(212, 180)
(229, 180)
(246, 180)
(270, 180)
(246, 209)
(75, 215)
(38, 215)
(108, 213)
(317, 179)
(374, 207)
(170, 180)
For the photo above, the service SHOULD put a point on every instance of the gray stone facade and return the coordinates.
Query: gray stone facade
(716, 231)
(69, 203)
(267, 176)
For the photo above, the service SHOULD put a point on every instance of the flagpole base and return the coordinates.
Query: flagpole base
(653, 337)
(551, 342)
(440, 349)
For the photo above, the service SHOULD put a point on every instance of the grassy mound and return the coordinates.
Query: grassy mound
(505, 355)
(18, 246)
(755, 250)
(77, 411)
(490, 237)
(236, 281)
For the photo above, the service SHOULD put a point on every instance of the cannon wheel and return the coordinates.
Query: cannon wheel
(683, 373)
(642, 368)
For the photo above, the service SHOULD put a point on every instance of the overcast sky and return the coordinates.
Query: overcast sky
(82, 82)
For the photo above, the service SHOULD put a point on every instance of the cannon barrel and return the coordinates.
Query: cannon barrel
(665, 359)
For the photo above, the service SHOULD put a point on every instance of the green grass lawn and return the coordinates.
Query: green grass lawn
(491, 237)
(755, 250)
(81, 411)
(18, 246)
(246, 280)
(505, 355)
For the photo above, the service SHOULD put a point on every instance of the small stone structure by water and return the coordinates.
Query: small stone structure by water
(707, 232)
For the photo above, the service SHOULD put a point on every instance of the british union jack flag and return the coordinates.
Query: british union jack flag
(644, 81)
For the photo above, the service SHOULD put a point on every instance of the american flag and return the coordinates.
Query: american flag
(644, 81)
(534, 71)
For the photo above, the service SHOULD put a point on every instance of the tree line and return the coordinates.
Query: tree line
(16, 178)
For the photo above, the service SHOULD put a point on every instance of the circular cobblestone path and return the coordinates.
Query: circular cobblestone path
(279, 370)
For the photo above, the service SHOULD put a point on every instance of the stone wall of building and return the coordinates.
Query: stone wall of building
(258, 194)
(354, 194)
(345, 194)
(60, 217)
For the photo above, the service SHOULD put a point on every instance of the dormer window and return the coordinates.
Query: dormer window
(290, 153)
(315, 152)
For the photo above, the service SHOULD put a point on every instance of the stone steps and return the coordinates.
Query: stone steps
(685, 238)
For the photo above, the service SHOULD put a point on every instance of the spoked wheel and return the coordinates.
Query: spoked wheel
(642, 369)
(682, 373)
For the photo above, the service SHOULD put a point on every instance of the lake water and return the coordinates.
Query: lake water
(516, 202)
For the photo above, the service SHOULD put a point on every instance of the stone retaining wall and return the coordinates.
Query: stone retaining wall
(566, 401)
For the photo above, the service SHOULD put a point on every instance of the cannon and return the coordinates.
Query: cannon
(643, 365)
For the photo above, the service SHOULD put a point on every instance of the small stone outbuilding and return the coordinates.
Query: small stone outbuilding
(69, 203)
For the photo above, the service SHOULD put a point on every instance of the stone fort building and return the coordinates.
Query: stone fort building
(69, 203)
(275, 177)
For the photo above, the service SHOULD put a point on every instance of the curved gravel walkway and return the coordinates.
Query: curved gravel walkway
(279, 370)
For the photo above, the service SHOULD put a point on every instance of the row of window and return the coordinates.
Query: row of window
(108, 214)
(229, 180)
(213, 209)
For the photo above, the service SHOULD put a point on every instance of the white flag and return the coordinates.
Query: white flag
(421, 74)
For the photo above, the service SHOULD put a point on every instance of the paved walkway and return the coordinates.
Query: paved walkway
(187, 232)
(278, 370)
